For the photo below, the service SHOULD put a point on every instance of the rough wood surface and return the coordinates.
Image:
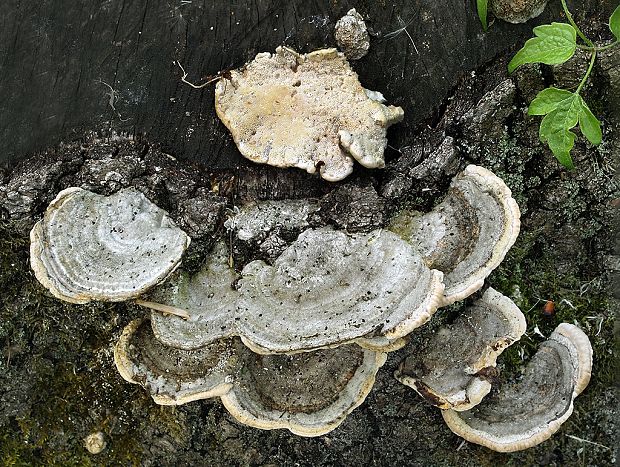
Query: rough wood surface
(71, 67)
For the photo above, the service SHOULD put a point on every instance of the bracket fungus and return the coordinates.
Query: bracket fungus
(208, 297)
(517, 11)
(468, 234)
(254, 221)
(310, 393)
(352, 35)
(304, 110)
(109, 248)
(451, 369)
(531, 409)
(326, 289)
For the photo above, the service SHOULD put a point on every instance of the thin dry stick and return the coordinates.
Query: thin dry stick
(167, 309)
(195, 86)
(589, 442)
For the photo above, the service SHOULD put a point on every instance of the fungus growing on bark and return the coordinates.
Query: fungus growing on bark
(352, 36)
(209, 299)
(531, 409)
(254, 221)
(468, 234)
(517, 11)
(310, 394)
(174, 376)
(326, 289)
(452, 368)
(329, 288)
(304, 110)
(109, 248)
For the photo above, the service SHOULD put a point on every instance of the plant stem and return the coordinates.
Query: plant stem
(598, 49)
(585, 78)
(569, 17)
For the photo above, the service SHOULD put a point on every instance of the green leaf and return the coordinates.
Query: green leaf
(555, 128)
(562, 118)
(561, 143)
(554, 43)
(589, 125)
(614, 22)
(482, 6)
(547, 100)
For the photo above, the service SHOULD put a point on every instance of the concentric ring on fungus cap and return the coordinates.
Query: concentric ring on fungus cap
(108, 248)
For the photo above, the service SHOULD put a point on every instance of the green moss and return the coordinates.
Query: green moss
(62, 369)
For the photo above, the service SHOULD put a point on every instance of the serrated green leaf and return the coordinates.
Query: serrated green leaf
(547, 100)
(561, 143)
(614, 22)
(589, 125)
(562, 118)
(555, 128)
(554, 43)
(482, 6)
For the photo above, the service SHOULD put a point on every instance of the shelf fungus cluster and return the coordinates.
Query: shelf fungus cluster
(309, 393)
(305, 110)
(455, 368)
(531, 409)
(296, 343)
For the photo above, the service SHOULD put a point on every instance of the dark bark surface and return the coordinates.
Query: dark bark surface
(72, 67)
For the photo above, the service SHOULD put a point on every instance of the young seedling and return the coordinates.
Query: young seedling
(554, 44)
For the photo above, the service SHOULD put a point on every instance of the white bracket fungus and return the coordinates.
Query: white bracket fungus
(468, 234)
(517, 11)
(109, 248)
(352, 36)
(310, 393)
(304, 110)
(329, 287)
(452, 368)
(326, 289)
(254, 221)
(532, 409)
(209, 299)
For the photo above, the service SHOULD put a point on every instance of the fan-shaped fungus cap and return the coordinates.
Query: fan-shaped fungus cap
(174, 376)
(309, 393)
(532, 409)
(453, 367)
(468, 234)
(307, 111)
(110, 248)
(209, 299)
(328, 288)
(517, 11)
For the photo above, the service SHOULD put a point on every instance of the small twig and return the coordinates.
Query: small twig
(195, 86)
(113, 95)
(167, 309)
(397, 32)
(589, 442)
(600, 320)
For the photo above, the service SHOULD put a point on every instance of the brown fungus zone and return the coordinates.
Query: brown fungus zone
(530, 410)
(454, 367)
(309, 393)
